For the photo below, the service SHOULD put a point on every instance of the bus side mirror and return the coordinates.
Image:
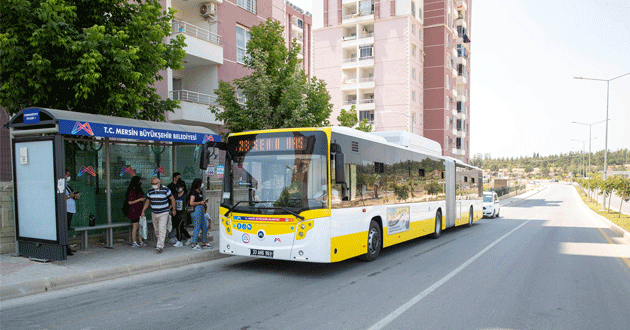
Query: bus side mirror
(340, 176)
(208, 150)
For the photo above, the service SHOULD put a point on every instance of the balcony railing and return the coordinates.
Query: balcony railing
(188, 96)
(349, 60)
(368, 79)
(349, 16)
(195, 31)
(367, 35)
(350, 102)
(362, 58)
(365, 101)
(352, 37)
(351, 81)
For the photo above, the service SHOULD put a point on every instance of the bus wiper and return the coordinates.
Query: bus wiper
(277, 207)
(233, 207)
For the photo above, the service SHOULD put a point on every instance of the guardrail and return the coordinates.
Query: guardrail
(195, 31)
(189, 96)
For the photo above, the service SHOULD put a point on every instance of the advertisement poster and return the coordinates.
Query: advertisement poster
(397, 219)
(220, 170)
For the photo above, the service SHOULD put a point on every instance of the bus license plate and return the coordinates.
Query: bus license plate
(261, 253)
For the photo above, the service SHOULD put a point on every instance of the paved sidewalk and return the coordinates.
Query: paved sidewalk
(20, 276)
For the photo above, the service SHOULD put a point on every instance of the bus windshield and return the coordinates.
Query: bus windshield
(276, 173)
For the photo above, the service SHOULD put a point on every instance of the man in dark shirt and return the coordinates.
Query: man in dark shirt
(173, 185)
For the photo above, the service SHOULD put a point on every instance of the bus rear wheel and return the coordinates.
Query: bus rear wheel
(438, 225)
(373, 243)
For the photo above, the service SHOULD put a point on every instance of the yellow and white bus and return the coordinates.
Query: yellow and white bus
(334, 193)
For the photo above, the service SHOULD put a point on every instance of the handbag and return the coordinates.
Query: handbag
(125, 208)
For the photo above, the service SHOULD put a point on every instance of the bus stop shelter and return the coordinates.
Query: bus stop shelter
(102, 154)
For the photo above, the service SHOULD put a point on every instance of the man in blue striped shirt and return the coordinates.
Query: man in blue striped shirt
(158, 197)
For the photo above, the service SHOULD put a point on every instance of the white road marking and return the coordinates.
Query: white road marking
(393, 315)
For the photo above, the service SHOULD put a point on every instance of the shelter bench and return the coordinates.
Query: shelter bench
(109, 235)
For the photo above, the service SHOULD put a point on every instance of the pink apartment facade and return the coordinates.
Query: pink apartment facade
(390, 59)
(447, 75)
(370, 55)
(216, 34)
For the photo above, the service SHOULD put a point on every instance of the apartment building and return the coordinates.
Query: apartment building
(370, 55)
(447, 75)
(216, 34)
(403, 64)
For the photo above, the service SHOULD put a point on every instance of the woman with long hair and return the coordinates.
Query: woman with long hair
(135, 197)
(196, 200)
(179, 219)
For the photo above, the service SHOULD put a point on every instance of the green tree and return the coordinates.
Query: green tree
(94, 56)
(623, 190)
(364, 126)
(348, 118)
(277, 92)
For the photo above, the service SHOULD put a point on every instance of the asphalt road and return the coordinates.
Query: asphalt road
(544, 264)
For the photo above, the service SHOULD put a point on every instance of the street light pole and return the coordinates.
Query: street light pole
(583, 147)
(607, 99)
(590, 126)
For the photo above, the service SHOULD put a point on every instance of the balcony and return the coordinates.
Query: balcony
(349, 84)
(462, 80)
(461, 5)
(194, 108)
(461, 22)
(462, 60)
(203, 47)
(357, 16)
(461, 97)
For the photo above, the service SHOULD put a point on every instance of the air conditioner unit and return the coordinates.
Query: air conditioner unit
(208, 10)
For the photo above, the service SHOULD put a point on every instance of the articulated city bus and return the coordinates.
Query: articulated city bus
(334, 193)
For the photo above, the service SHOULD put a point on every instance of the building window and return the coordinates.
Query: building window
(413, 9)
(413, 96)
(249, 5)
(413, 73)
(369, 115)
(413, 50)
(240, 97)
(242, 38)
(447, 121)
(448, 82)
(448, 62)
(420, 13)
(366, 7)
(448, 103)
(459, 143)
(448, 41)
(300, 23)
(413, 29)
(366, 52)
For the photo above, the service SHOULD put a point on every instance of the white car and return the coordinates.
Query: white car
(491, 206)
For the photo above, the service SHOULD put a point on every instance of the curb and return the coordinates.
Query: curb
(68, 281)
(615, 228)
(537, 190)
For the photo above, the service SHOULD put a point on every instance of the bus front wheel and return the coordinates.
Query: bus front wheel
(373, 243)
(438, 225)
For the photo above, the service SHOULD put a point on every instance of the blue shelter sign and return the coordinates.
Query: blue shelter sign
(72, 127)
(31, 116)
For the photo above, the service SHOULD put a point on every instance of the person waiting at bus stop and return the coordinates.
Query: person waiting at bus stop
(158, 197)
(196, 200)
(71, 207)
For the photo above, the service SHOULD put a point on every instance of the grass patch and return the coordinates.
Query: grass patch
(622, 221)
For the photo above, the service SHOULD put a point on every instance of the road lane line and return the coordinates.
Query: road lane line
(625, 260)
(393, 315)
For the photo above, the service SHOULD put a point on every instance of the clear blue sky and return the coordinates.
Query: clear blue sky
(525, 54)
